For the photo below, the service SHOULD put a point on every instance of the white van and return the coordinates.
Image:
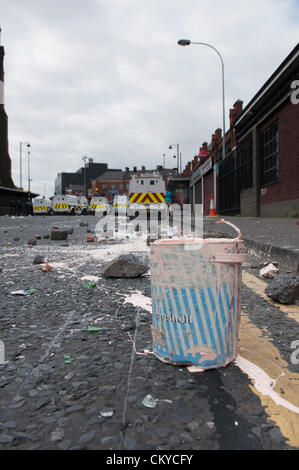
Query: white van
(41, 206)
(147, 193)
(99, 206)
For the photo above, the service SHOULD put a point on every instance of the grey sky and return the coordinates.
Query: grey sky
(106, 78)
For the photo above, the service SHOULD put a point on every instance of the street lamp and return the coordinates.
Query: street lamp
(187, 42)
(164, 155)
(29, 171)
(28, 145)
(84, 158)
(177, 155)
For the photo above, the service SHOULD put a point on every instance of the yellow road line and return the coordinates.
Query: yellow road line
(259, 350)
(258, 287)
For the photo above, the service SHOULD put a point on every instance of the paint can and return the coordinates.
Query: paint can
(195, 287)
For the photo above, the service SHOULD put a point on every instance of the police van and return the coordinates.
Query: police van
(99, 206)
(146, 194)
(67, 204)
(120, 204)
(41, 206)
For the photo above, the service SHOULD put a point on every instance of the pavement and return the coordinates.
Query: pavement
(275, 239)
(64, 388)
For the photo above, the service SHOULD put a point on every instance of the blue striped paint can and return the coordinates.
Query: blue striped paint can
(195, 287)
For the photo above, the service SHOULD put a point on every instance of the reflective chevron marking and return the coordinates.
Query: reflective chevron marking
(147, 198)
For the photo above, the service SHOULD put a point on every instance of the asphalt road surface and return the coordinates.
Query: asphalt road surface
(63, 387)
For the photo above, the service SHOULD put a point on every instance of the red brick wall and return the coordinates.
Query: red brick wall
(288, 184)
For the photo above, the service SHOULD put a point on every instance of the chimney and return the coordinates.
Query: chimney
(143, 168)
(235, 112)
(5, 162)
(127, 169)
(194, 162)
(135, 169)
(218, 134)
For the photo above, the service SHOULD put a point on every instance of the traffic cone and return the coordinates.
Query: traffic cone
(212, 208)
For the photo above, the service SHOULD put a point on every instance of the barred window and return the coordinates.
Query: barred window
(244, 163)
(269, 154)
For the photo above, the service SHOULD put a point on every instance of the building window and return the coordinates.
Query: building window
(244, 173)
(121, 186)
(269, 154)
(112, 186)
(152, 182)
(104, 186)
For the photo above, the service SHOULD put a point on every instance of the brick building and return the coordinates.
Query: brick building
(110, 183)
(267, 133)
(259, 175)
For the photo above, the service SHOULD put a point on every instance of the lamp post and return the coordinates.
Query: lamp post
(28, 145)
(28, 171)
(187, 42)
(164, 155)
(84, 158)
(177, 155)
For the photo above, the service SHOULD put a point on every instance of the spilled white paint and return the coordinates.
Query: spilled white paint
(90, 278)
(263, 383)
(139, 300)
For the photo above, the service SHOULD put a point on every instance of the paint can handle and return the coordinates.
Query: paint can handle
(222, 221)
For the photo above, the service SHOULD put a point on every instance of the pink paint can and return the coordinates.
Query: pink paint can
(196, 300)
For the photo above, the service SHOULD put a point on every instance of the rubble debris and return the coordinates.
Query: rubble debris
(46, 267)
(59, 234)
(57, 435)
(106, 413)
(269, 272)
(39, 259)
(94, 329)
(83, 224)
(263, 264)
(37, 237)
(127, 266)
(16, 239)
(149, 401)
(32, 241)
(68, 359)
(89, 285)
(90, 239)
(46, 237)
(22, 292)
(284, 289)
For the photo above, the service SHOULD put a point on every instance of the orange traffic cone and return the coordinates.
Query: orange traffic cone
(212, 208)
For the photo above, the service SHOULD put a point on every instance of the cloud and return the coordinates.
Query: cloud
(107, 78)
